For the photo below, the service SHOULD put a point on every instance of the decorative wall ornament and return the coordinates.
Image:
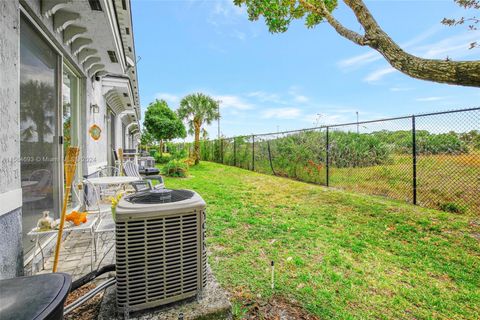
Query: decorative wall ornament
(95, 132)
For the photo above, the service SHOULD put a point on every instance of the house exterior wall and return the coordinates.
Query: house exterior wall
(93, 153)
(10, 191)
(96, 150)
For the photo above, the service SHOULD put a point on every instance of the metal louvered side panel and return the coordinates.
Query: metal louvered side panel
(160, 260)
(204, 247)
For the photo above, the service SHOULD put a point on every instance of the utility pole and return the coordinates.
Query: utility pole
(358, 131)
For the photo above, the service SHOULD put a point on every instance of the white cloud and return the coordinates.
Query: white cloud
(300, 98)
(281, 113)
(378, 74)
(224, 13)
(170, 98)
(455, 47)
(297, 97)
(426, 99)
(263, 96)
(233, 102)
(239, 35)
(360, 60)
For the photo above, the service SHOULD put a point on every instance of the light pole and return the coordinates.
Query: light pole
(358, 131)
(218, 133)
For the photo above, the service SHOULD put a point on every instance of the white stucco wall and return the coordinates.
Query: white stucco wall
(11, 263)
(97, 151)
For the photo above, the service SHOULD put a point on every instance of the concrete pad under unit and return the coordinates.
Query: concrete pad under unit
(214, 305)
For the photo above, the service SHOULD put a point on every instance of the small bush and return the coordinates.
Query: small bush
(179, 153)
(175, 168)
(452, 207)
(162, 159)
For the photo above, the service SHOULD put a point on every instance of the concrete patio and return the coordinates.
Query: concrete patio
(75, 259)
(75, 254)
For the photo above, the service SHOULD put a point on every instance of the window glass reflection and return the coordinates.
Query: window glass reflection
(38, 129)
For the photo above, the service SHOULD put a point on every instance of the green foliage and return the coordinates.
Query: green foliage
(453, 207)
(146, 138)
(471, 138)
(198, 109)
(162, 158)
(175, 168)
(162, 123)
(177, 150)
(349, 149)
(428, 143)
(278, 14)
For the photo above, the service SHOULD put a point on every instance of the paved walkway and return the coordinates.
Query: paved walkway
(75, 254)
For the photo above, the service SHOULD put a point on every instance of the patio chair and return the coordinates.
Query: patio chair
(131, 170)
(142, 185)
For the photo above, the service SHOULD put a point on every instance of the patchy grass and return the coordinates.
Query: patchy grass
(337, 255)
(442, 180)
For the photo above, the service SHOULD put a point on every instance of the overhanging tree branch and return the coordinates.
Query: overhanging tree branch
(343, 31)
(465, 73)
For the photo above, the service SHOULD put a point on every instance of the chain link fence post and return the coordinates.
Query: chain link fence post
(221, 150)
(327, 156)
(253, 152)
(234, 152)
(414, 160)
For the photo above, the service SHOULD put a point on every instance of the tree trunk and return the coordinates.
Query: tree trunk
(464, 73)
(196, 147)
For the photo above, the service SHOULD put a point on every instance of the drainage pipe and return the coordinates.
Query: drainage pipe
(91, 276)
(75, 304)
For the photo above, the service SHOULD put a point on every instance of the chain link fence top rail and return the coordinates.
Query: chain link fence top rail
(428, 159)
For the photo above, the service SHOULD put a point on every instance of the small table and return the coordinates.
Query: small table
(116, 180)
(106, 224)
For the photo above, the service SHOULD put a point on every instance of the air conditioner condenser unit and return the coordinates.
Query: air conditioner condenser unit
(160, 248)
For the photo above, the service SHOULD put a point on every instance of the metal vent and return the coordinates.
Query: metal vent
(162, 258)
(95, 5)
(160, 196)
(113, 56)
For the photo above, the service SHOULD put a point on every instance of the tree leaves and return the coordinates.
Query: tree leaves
(278, 14)
(162, 122)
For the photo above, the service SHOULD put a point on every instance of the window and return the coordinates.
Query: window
(112, 56)
(71, 121)
(39, 132)
(95, 5)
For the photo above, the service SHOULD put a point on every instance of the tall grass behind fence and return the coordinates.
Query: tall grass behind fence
(428, 159)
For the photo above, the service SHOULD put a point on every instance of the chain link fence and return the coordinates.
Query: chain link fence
(432, 160)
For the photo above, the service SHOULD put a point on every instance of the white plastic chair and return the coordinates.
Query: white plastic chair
(131, 170)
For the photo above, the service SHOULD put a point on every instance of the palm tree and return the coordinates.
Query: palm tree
(37, 104)
(198, 109)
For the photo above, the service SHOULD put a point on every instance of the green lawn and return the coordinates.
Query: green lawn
(337, 254)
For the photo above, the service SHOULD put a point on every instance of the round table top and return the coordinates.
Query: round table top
(29, 183)
(112, 180)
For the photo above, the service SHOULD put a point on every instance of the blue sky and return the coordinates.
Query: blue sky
(269, 82)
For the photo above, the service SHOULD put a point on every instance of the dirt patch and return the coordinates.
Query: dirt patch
(89, 310)
(276, 308)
